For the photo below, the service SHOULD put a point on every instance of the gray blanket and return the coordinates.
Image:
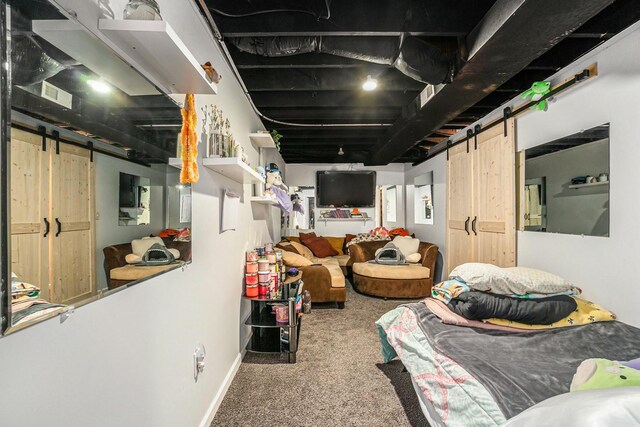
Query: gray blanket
(522, 369)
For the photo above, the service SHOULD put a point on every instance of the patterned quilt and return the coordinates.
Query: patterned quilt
(457, 397)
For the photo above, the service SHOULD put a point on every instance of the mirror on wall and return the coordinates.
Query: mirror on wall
(91, 191)
(135, 200)
(566, 185)
(391, 204)
(423, 199)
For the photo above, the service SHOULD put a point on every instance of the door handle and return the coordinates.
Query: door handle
(466, 225)
(473, 225)
(59, 227)
(47, 227)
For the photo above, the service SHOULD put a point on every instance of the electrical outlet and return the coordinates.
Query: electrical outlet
(198, 361)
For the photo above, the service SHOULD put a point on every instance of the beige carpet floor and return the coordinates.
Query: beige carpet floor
(338, 380)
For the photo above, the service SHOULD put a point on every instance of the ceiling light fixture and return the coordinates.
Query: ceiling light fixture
(341, 151)
(99, 86)
(370, 84)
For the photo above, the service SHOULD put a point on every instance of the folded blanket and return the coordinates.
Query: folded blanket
(483, 305)
(445, 291)
(448, 317)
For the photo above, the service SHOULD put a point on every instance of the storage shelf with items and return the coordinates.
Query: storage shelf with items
(325, 220)
(233, 168)
(591, 184)
(264, 200)
(275, 297)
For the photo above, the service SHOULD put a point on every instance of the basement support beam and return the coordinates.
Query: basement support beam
(511, 35)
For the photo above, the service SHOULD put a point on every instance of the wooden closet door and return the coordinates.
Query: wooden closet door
(29, 188)
(73, 206)
(494, 197)
(459, 207)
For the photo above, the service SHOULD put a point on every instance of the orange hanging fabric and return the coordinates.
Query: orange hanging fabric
(189, 140)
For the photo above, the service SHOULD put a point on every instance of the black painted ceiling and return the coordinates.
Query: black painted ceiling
(318, 88)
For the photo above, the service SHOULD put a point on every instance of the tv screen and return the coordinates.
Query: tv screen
(338, 189)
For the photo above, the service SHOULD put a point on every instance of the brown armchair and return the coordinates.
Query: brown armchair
(404, 281)
(114, 258)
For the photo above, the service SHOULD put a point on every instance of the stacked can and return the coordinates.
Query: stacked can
(263, 277)
(251, 274)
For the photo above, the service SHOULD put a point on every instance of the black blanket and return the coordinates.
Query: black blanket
(522, 369)
(539, 311)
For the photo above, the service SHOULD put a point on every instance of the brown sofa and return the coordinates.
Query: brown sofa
(324, 279)
(114, 259)
(403, 281)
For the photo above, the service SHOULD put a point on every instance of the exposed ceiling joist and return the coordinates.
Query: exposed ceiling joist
(332, 99)
(500, 46)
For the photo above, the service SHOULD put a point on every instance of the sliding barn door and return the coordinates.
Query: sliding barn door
(73, 227)
(493, 222)
(29, 188)
(459, 207)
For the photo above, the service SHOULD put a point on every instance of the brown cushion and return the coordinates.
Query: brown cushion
(304, 237)
(325, 261)
(320, 247)
(347, 239)
(336, 243)
(379, 271)
(343, 260)
(294, 260)
(292, 239)
(302, 250)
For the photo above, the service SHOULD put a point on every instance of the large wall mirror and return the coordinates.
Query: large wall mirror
(92, 204)
(566, 185)
(423, 199)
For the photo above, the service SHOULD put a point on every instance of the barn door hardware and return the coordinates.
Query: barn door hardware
(42, 131)
(56, 138)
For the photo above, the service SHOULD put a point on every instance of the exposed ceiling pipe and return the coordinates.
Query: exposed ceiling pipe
(234, 69)
(411, 56)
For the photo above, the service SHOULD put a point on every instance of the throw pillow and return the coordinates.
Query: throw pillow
(294, 260)
(336, 243)
(306, 236)
(302, 250)
(407, 245)
(321, 247)
(141, 246)
(413, 258)
(347, 239)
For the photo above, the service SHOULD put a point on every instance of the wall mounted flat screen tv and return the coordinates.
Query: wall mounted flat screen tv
(337, 189)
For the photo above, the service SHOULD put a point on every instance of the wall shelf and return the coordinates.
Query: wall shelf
(262, 140)
(233, 168)
(156, 47)
(325, 220)
(593, 184)
(265, 201)
(175, 162)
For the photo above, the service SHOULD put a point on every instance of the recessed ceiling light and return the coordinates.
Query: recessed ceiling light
(341, 151)
(99, 86)
(370, 84)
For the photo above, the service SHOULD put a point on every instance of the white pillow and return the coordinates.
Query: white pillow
(509, 281)
(413, 258)
(141, 246)
(406, 244)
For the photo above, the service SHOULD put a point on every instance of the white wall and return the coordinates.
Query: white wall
(434, 233)
(305, 174)
(126, 360)
(604, 267)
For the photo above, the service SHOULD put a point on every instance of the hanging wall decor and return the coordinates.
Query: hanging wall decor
(189, 142)
(536, 92)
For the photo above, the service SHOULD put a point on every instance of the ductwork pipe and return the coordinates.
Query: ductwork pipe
(411, 56)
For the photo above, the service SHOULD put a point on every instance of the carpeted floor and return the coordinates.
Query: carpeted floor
(338, 379)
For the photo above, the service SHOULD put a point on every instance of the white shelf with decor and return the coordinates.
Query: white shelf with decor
(262, 140)
(592, 184)
(325, 220)
(156, 48)
(233, 168)
(264, 201)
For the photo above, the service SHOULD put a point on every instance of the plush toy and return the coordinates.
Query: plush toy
(139, 247)
(398, 232)
(536, 92)
(603, 373)
(379, 231)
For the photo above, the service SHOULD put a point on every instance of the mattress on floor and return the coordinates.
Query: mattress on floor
(499, 374)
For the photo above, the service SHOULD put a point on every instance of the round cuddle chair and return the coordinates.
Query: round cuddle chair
(392, 281)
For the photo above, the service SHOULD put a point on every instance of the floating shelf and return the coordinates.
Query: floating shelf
(325, 220)
(156, 47)
(233, 168)
(593, 184)
(262, 140)
(175, 162)
(265, 201)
